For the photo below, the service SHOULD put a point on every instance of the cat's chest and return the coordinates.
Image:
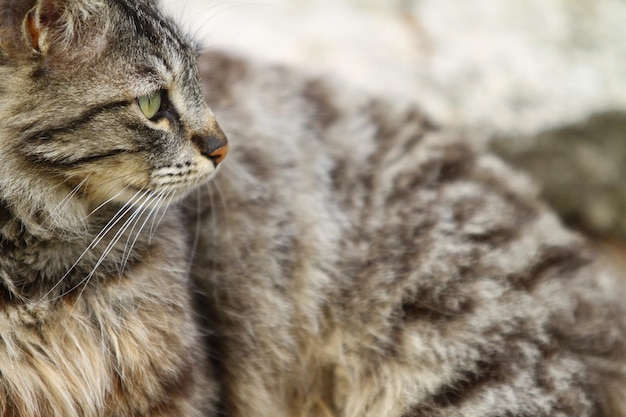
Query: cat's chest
(111, 351)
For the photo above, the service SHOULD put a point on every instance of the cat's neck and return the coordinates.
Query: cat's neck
(21, 228)
(37, 262)
(5, 215)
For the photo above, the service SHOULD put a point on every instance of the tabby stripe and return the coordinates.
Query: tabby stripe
(561, 261)
(85, 160)
(5, 213)
(133, 12)
(85, 117)
(488, 374)
(145, 28)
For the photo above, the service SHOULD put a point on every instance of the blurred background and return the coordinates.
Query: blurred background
(540, 82)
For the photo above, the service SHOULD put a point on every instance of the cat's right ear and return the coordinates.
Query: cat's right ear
(31, 30)
(66, 30)
(13, 39)
(20, 28)
(58, 30)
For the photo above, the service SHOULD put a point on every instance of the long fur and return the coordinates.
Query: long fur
(96, 314)
(353, 258)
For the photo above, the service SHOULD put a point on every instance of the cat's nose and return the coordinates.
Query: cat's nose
(214, 145)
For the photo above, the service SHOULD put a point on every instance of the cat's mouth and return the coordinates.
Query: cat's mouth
(172, 175)
(183, 176)
(172, 181)
(210, 152)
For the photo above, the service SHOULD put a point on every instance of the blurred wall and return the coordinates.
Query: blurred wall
(542, 82)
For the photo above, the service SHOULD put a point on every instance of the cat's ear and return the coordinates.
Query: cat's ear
(32, 30)
(11, 18)
(55, 29)
(64, 27)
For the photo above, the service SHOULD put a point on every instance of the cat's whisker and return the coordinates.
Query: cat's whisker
(154, 203)
(223, 203)
(203, 19)
(120, 213)
(152, 230)
(70, 195)
(61, 183)
(136, 218)
(140, 210)
(130, 204)
(92, 212)
(167, 205)
(210, 12)
(14, 290)
(118, 235)
(77, 188)
(66, 199)
(196, 236)
(214, 211)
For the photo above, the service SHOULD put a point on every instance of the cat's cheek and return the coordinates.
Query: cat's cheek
(116, 179)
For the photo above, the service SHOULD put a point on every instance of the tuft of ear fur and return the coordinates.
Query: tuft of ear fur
(11, 17)
(67, 24)
(58, 30)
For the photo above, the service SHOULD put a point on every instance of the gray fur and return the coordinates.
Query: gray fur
(360, 260)
(352, 258)
(96, 311)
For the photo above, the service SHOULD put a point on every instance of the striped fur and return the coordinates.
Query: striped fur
(361, 261)
(355, 258)
(96, 313)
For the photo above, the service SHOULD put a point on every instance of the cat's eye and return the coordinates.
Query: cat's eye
(150, 104)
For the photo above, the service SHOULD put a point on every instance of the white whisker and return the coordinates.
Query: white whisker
(72, 193)
(220, 194)
(129, 205)
(118, 235)
(196, 237)
(108, 201)
(152, 225)
(154, 202)
(167, 206)
(120, 213)
(67, 198)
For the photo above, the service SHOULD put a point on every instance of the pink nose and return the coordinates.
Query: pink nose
(218, 155)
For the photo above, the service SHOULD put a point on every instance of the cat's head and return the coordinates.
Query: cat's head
(99, 101)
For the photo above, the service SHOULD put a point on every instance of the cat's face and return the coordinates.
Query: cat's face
(101, 97)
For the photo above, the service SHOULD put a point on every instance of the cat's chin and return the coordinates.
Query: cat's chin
(182, 176)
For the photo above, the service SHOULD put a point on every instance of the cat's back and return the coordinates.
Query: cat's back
(370, 263)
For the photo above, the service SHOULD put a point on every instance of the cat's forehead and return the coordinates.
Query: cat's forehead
(142, 25)
(151, 42)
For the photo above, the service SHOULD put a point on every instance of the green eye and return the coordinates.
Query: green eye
(150, 104)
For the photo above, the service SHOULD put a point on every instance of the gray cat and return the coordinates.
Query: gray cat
(103, 126)
(352, 258)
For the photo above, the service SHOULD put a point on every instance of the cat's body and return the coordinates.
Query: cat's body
(360, 261)
(354, 259)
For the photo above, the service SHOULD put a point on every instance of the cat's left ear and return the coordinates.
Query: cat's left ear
(64, 28)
